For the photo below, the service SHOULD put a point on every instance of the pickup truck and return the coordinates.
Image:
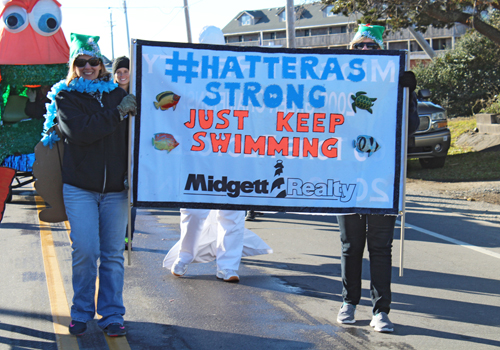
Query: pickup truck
(431, 141)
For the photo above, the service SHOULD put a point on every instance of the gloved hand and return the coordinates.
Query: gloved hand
(50, 139)
(31, 93)
(127, 106)
(407, 79)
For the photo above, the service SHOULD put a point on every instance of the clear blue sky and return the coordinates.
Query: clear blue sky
(158, 20)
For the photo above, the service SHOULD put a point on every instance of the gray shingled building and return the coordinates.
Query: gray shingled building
(317, 27)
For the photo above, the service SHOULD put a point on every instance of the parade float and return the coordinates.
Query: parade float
(33, 56)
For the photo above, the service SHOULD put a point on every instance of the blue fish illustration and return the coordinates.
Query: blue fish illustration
(366, 144)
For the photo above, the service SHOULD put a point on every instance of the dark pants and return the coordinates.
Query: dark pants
(378, 230)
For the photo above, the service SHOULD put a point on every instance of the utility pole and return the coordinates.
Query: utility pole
(188, 24)
(126, 22)
(111, 25)
(290, 24)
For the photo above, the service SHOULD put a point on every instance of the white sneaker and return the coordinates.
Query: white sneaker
(228, 276)
(381, 323)
(179, 268)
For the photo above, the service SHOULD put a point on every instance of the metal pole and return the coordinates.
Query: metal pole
(131, 120)
(404, 164)
(188, 24)
(290, 24)
(126, 22)
(111, 25)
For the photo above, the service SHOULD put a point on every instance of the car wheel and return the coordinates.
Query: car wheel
(432, 163)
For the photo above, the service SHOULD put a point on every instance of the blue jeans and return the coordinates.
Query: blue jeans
(378, 231)
(97, 223)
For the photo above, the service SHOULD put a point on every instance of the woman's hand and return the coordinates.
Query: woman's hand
(127, 106)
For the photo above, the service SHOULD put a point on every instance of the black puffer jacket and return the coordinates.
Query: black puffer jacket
(96, 141)
(413, 118)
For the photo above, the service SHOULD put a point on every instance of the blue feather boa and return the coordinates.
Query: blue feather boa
(77, 84)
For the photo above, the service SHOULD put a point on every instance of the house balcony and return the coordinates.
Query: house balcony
(343, 39)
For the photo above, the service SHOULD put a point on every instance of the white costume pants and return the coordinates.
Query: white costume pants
(230, 231)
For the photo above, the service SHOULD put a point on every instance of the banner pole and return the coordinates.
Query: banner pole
(404, 164)
(129, 166)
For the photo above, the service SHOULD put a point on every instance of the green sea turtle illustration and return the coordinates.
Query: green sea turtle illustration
(362, 101)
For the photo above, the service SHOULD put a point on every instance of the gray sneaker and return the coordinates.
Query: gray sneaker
(346, 313)
(381, 323)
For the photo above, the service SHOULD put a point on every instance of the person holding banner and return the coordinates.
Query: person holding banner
(91, 111)
(376, 230)
(121, 74)
(207, 233)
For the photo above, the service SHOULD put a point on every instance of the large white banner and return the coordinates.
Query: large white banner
(269, 129)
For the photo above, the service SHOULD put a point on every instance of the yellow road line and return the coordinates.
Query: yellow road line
(57, 295)
(64, 340)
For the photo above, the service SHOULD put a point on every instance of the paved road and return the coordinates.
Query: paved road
(448, 297)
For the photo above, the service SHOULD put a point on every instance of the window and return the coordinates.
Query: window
(441, 44)
(337, 30)
(269, 36)
(398, 45)
(328, 11)
(282, 16)
(415, 47)
(245, 20)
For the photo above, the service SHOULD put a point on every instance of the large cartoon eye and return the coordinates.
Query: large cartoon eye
(15, 19)
(45, 17)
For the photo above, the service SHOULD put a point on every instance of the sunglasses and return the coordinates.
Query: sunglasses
(369, 46)
(82, 62)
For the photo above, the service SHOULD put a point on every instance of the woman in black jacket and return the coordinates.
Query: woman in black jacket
(91, 111)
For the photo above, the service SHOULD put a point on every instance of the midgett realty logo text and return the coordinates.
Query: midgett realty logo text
(279, 187)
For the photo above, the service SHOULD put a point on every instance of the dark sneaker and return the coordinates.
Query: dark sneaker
(115, 330)
(381, 323)
(346, 313)
(77, 328)
(250, 215)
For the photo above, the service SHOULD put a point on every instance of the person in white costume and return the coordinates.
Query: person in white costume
(213, 234)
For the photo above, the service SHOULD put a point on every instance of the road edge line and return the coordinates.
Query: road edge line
(61, 316)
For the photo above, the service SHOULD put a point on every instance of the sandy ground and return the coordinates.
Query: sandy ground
(485, 191)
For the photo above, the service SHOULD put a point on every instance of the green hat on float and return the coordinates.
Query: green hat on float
(371, 31)
(81, 44)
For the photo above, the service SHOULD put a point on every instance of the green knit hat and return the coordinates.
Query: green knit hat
(371, 31)
(83, 45)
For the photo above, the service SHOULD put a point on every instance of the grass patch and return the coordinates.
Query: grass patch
(459, 126)
(462, 164)
(472, 166)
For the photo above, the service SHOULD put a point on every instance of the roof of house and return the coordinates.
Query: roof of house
(309, 15)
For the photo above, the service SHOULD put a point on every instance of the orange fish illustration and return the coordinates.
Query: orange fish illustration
(164, 142)
(166, 99)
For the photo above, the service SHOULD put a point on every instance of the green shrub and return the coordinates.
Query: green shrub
(464, 80)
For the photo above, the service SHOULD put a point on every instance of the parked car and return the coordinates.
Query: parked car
(431, 141)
